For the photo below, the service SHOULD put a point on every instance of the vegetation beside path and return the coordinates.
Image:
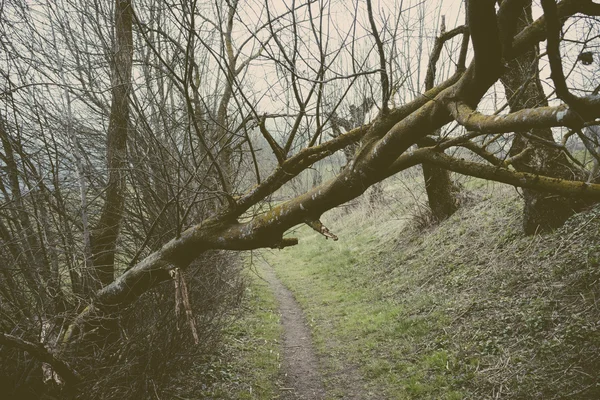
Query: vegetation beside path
(248, 364)
(401, 309)
(471, 308)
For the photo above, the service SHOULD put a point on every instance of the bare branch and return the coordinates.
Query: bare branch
(322, 229)
(507, 23)
(37, 350)
(437, 51)
(588, 107)
(486, 42)
(536, 32)
(385, 80)
(520, 179)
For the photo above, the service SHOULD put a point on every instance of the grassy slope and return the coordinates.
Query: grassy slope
(467, 309)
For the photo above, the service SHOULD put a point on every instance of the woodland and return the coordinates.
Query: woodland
(146, 146)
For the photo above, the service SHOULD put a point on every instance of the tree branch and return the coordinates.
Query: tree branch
(540, 117)
(385, 80)
(322, 229)
(486, 42)
(277, 150)
(507, 23)
(437, 51)
(587, 107)
(70, 376)
(536, 31)
(520, 179)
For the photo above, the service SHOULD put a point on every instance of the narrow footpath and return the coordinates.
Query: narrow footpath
(303, 380)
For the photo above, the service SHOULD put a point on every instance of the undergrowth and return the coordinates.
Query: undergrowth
(247, 363)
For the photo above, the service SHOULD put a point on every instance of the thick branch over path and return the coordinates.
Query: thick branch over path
(385, 150)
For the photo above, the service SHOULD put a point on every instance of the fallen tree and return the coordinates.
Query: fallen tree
(387, 145)
(385, 151)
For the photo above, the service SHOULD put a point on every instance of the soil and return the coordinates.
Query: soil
(300, 365)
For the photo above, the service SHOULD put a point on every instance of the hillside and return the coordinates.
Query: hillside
(467, 309)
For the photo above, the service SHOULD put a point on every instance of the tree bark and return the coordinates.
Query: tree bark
(106, 232)
(542, 211)
(441, 191)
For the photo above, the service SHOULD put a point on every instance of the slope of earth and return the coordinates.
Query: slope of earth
(468, 309)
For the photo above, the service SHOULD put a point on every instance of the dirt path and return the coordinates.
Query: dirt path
(300, 364)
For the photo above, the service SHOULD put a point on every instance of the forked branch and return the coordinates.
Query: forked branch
(37, 350)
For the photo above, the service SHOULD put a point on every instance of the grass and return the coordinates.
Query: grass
(468, 309)
(248, 365)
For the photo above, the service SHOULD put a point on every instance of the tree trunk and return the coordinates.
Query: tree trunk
(106, 232)
(542, 211)
(441, 191)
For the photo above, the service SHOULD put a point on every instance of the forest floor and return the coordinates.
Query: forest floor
(398, 308)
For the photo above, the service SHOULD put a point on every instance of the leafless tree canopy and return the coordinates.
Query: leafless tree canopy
(138, 136)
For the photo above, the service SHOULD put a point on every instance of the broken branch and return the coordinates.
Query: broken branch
(38, 351)
(322, 229)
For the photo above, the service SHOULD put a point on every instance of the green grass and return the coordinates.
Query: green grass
(358, 321)
(248, 365)
(467, 309)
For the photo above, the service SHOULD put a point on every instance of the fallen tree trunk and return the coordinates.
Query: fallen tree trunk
(385, 150)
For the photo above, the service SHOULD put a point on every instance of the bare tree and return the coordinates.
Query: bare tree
(106, 233)
(202, 94)
(383, 152)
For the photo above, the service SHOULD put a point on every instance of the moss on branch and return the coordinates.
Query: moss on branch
(522, 120)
